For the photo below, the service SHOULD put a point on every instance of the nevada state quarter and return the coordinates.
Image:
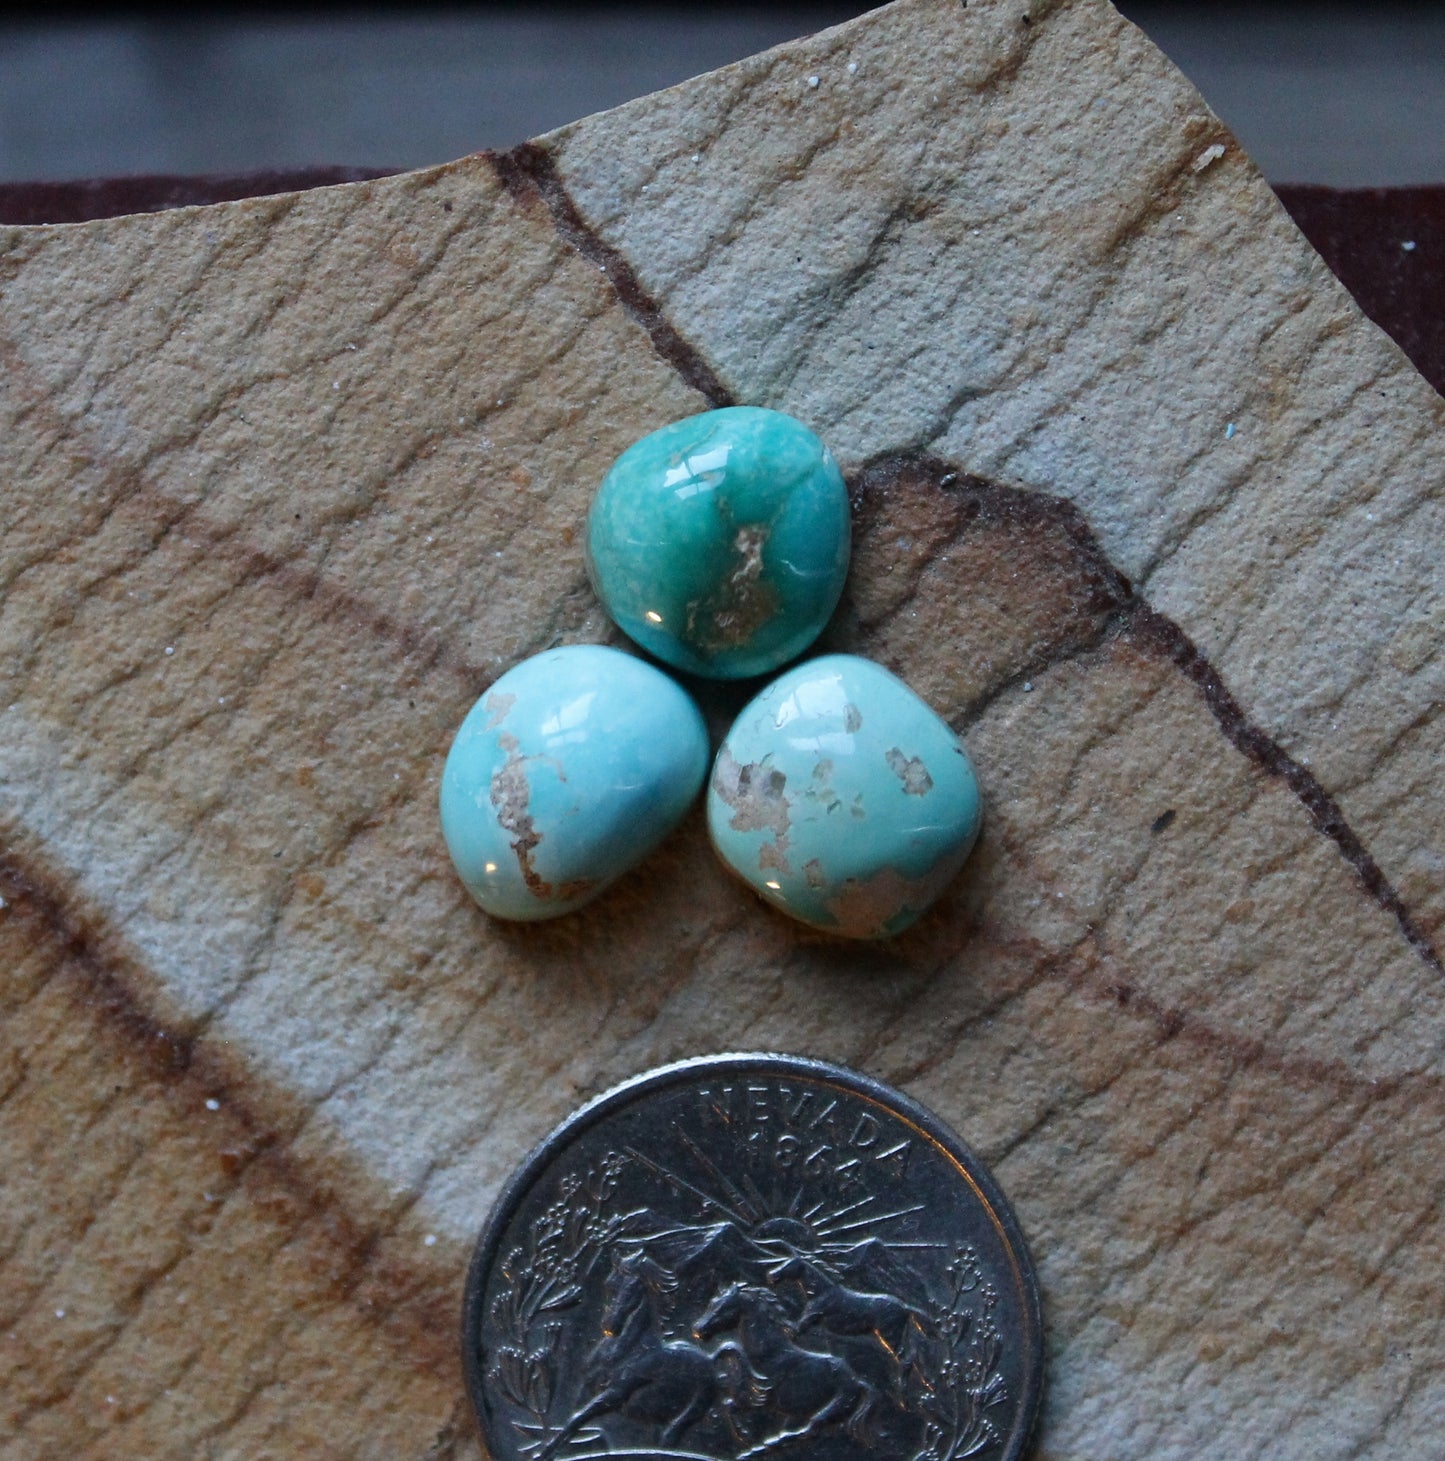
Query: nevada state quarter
(751, 1256)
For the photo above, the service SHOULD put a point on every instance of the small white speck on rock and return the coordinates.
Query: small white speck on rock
(1028, 685)
(697, 157)
(170, 649)
(430, 1240)
(60, 1313)
(852, 68)
(1229, 432)
(212, 1104)
(1408, 245)
(813, 82)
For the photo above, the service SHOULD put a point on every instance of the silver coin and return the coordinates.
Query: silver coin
(746, 1256)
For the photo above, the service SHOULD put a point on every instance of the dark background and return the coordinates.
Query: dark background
(1348, 95)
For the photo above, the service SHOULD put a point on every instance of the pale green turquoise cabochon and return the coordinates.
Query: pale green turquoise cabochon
(567, 772)
(843, 798)
(720, 543)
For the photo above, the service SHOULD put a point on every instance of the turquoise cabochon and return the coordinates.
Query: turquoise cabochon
(567, 772)
(843, 798)
(720, 543)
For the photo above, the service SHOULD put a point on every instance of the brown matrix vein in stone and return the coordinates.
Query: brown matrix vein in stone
(529, 174)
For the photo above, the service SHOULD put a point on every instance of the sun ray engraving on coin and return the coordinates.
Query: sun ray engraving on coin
(752, 1256)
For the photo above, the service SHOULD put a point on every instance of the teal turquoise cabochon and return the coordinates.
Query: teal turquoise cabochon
(843, 798)
(571, 768)
(720, 543)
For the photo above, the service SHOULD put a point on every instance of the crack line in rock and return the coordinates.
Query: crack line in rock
(529, 173)
(1151, 627)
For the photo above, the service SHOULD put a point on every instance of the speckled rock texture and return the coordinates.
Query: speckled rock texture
(1143, 505)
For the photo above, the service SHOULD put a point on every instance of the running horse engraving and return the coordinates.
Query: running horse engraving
(694, 1294)
(673, 1383)
(849, 1311)
(807, 1388)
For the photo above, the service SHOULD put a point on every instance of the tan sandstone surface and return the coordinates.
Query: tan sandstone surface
(1144, 506)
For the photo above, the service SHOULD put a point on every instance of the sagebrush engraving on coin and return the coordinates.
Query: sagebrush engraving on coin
(747, 1263)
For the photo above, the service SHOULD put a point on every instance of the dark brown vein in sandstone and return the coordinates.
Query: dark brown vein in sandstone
(530, 175)
(1148, 629)
(406, 1303)
(1115, 608)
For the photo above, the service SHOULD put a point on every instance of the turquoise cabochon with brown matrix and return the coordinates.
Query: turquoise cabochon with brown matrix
(571, 768)
(843, 798)
(720, 543)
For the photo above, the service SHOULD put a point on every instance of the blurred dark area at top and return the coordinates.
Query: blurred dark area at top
(1323, 92)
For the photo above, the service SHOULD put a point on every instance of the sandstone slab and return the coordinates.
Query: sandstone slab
(1142, 503)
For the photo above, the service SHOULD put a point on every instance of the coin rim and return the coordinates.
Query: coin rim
(929, 1122)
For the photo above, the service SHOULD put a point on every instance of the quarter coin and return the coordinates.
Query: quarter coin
(748, 1256)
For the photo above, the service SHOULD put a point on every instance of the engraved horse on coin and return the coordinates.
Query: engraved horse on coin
(633, 1370)
(757, 1259)
(840, 1310)
(808, 1389)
